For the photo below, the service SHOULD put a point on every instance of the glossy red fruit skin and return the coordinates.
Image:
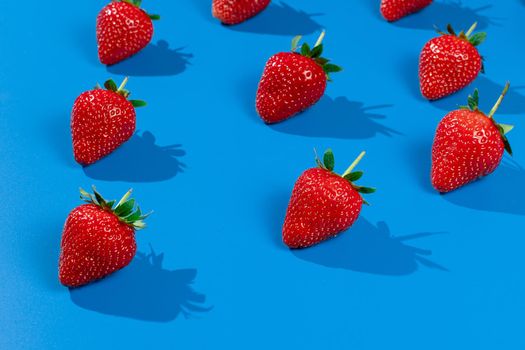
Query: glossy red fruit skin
(322, 205)
(446, 65)
(101, 121)
(392, 10)
(289, 84)
(467, 146)
(237, 11)
(94, 244)
(122, 31)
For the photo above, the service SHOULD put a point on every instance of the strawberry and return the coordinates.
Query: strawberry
(123, 29)
(292, 81)
(392, 10)
(323, 203)
(450, 62)
(98, 238)
(468, 145)
(101, 121)
(237, 11)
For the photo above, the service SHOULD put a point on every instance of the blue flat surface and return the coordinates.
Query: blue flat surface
(417, 271)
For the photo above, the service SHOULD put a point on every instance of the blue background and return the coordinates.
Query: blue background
(418, 270)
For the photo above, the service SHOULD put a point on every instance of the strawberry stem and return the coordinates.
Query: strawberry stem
(354, 164)
(320, 39)
(123, 84)
(471, 29)
(500, 99)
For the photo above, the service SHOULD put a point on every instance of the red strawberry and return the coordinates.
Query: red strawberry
(392, 10)
(323, 203)
(123, 29)
(450, 62)
(237, 11)
(468, 145)
(292, 82)
(98, 238)
(101, 121)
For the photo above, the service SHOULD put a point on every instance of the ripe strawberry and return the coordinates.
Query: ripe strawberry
(237, 11)
(392, 10)
(323, 203)
(98, 238)
(468, 145)
(123, 29)
(450, 62)
(292, 82)
(101, 121)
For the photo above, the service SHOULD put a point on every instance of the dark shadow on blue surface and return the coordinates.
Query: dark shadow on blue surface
(154, 60)
(441, 13)
(139, 160)
(280, 19)
(275, 207)
(58, 131)
(502, 191)
(489, 91)
(371, 249)
(144, 290)
(337, 118)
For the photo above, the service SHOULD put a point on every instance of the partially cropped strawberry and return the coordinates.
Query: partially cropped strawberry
(98, 238)
(392, 10)
(323, 203)
(237, 11)
(468, 145)
(101, 121)
(123, 29)
(450, 62)
(293, 81)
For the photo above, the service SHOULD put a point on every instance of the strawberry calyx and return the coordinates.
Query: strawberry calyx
(504, 129)
(137, 3)
(475, 39)
(315, 54)
(350, 175)
(125, 209)
(111, 86)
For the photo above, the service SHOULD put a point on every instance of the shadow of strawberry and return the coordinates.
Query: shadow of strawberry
(370, 248)
(144, 290)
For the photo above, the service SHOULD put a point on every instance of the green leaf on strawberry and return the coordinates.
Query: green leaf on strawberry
(474, 38)
(315, 54)
(354, 176)
(110, 85)
(295, 42)
(329, 160)
(124, 210)
(477, 39)
(138, 3)
(350, 175)
(138, 103)
(504, 129)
